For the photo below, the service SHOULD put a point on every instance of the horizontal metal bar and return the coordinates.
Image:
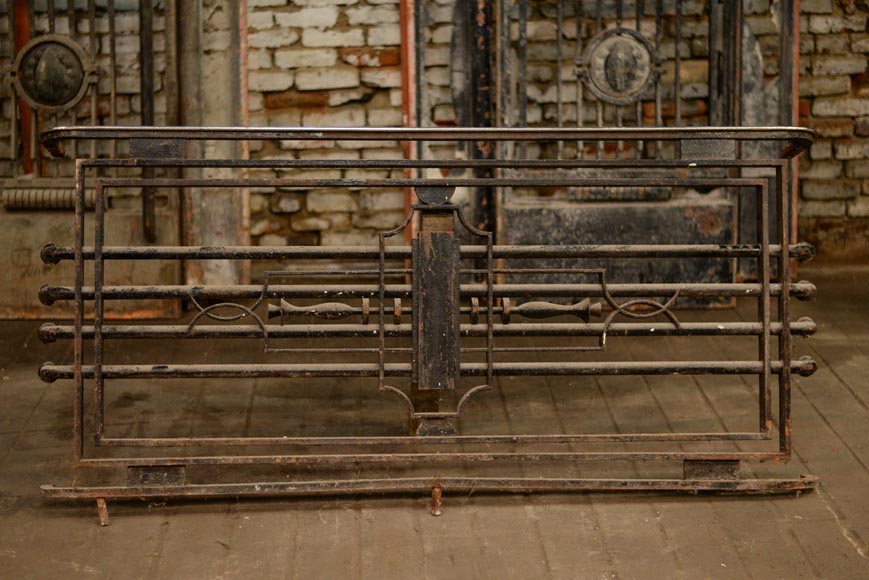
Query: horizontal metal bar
(448, 484)
(50, 332)
(50, 294)
(551, 180)
(427, 440)
(435, 163)
(52, 254)
(799, 137)
(50, 372)
(434, 457)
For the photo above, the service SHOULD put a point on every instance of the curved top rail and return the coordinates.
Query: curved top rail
(798, 139)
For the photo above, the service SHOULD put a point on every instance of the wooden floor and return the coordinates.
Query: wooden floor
(818, 535)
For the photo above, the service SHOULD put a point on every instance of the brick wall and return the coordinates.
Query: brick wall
(834, 101)
(336, 62)
(326, 63)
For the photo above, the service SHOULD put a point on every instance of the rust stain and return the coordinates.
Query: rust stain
(706, 220)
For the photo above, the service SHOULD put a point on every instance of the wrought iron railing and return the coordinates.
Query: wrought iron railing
(434, 322)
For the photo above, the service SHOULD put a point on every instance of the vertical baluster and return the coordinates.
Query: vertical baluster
(73, 32)
(659, 33)
(505, 76)
(50, 14)
(639, 145)
(677, 73)
(523, 65)
(113, 81)
(13, 129)
(92, 16)
(559, 29)
(619, 22)
(598, 103)
(580, 112)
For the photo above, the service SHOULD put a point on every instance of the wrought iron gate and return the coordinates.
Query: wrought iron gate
(613, 63)
(67, 62)
(437, 323)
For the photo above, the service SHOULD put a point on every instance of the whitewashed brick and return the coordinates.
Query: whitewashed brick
(382, 77)
(444, 114)
(255, 101)
(385, 35)
(351, 238)
(313, 79)
(442, 34)
(259, 59)
(366, 144)
(833, 24)
(859, 207)
(821, 150)
(384, 117)
(438, 76)
(822, 208)
(815, 86)
(384, 200)
(272, 38)
(325, 2)
(319, 38)
(831, 189)
(839, 65)
(822, 170)
(372, 15)
(269, 81)
(340, 117)
(840, 107)
(332, 153)
(258, 203)
(437, 55)
(318, 17)
(816, 6)
(260, 20)
(256, 3)
(380, 220)
(295, 144)
(859, 43)
(286, 203)
(264, 226)
(857, 168)
(852, 149)
(439, 14)
(272, 240)
(309, 223)
(330, 201)
(382, 154)
(337, 98)
(306, 57)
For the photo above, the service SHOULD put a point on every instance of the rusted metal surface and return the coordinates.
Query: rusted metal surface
(434, 322)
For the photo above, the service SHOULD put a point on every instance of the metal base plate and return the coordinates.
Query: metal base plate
(425, 485)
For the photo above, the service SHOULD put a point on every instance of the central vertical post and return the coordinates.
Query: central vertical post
(436, 360)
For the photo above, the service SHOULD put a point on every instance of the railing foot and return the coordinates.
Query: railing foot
(436, 499)
(103, 511)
